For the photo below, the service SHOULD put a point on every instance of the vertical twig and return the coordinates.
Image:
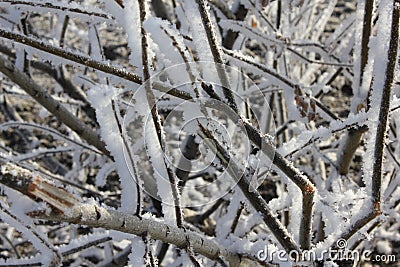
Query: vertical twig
(216, 52)
(353, 136)
(366, 33)
(382, 124)
(155, 116)
(62, 76)
(116, 112)
(24, 26)
(385, 105)
(191, 147)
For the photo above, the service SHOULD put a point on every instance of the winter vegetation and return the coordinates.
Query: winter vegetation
(199, 133)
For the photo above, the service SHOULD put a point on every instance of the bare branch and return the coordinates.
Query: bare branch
(353, 136)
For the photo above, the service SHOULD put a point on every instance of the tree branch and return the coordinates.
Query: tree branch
(385, 105)
(49, 5)
(216, 52)
(242, 178)
(66, 208)
(81, 59)
(151, 100)
(353, 136)
(53, 106)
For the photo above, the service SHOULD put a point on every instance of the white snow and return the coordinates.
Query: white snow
(101, 98)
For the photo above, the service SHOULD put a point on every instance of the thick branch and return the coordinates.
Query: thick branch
(347, 151)
(99, 217)
(66, 208)
(306, 219)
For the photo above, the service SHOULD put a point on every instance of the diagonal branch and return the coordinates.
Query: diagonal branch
(66, 208)
(87, 61)
(81, 59)
(242, 178)
(62, 8)
(216, 52)
(300, 179)
(53, 106)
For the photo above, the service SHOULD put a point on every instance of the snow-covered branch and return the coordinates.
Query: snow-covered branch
(66, 208)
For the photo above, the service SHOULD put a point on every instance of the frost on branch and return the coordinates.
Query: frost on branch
(198, 132)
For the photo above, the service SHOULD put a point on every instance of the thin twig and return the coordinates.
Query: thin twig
(75, 57)
(151, 100)
(286, 81)
(86, 245)
(129, 158)
(358, 225)
(366, 33)
(239, 26)
(36, 235)
(207, 213)
(385, 105)
(49, 5)
(216, 52)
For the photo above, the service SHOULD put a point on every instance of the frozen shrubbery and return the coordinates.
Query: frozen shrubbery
(204, 133)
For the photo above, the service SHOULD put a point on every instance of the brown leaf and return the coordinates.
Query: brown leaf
(120, 3)
(305, 104)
